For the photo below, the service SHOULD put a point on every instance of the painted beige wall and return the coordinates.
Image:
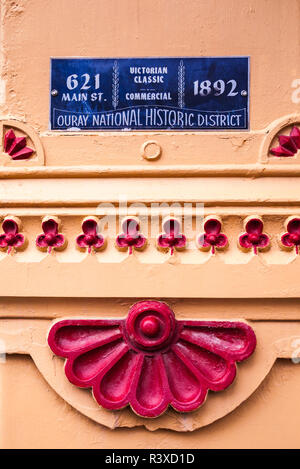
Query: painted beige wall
(71, 173)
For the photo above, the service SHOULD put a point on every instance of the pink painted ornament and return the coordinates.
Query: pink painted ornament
(171, 238)
(254, 238)
(90, 239)
(51, 238)
(150, 360)
(291, 239)
(295, 136)
(212, 238)
(288, 144)
(16, 146)
(130, 238)
(11, 238)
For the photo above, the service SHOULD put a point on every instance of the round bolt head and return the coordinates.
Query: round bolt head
(54, 93)
(244, 93)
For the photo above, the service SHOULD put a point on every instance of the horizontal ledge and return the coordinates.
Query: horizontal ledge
(239, 170)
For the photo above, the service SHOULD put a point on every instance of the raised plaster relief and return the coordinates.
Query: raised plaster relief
(291, 238)
(151, 360)
(288, 144)
(276, 338)
(90, 239)
(20, 146)
(211, 239)
(151, 150)
(50, 238)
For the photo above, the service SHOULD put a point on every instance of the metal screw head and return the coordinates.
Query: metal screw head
(244, 93)
(54, 93)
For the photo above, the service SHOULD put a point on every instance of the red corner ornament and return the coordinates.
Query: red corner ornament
(50, 239)
(11, 238)
(131, 236)
(212, 238)
(288, 144)
(16, 146)
(172, 238)
(254, 238)
(150, 360)
(90, 239)
(291, 239)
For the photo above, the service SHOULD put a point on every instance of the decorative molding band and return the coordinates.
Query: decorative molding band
(50, 238)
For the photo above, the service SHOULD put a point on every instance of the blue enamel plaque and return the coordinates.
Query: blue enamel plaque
(205, 93)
